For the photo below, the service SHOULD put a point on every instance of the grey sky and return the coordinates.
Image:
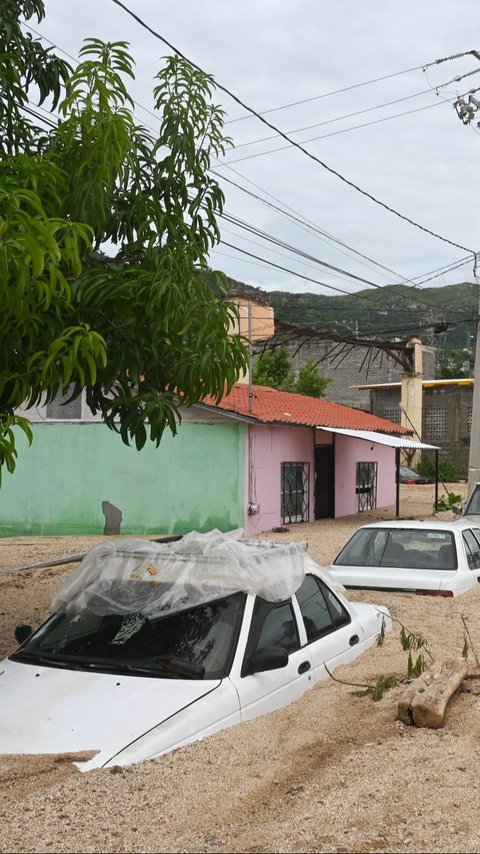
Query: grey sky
(423, 164)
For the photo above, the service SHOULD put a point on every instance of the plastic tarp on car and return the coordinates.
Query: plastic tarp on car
(134, 575)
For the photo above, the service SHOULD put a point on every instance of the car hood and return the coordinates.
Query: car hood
(50, 710)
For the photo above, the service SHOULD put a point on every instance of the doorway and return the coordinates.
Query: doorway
(324, 481)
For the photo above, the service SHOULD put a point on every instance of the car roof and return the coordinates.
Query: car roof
(453, 525)
(138, 575)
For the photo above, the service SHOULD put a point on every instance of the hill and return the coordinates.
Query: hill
(443, 317)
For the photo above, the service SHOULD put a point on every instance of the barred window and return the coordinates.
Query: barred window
(295, 492)
(435, 424)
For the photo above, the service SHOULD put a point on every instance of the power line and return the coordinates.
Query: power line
(346, 116)
(361, 112)
(276, 241)
(287, 270)
(307, 278)
(38, 116)
(309, 225)
(349, 88)
(263, 235)
(326, 234)
(272, 239)
(336, 133)
(239, 223)
(296, 144)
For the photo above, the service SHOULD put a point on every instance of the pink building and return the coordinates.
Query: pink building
(308, 458)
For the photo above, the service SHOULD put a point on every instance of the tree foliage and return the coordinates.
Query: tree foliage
(140, 329)
(310, 382)
(454, 364)
(274, 368)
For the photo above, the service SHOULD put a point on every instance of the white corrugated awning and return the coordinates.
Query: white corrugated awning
(382, 439)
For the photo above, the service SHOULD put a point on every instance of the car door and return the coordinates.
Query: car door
(333, 635)
(273, 625)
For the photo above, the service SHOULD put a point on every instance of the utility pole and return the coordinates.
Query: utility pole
(466, 111)
(474, 454)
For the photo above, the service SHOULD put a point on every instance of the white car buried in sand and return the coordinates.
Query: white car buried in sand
(425, 557)
(153, 645)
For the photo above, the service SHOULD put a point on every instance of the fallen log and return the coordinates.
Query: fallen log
(424, 701)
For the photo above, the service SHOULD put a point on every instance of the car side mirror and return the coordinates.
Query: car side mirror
(268, 658)
(22, 632)
(458, 509)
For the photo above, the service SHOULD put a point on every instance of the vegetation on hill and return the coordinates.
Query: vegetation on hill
(442, 317)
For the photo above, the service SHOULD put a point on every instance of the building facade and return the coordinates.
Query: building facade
(446, 414)
(258, 460)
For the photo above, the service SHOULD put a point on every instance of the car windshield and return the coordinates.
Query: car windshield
(406, 548)
(197, 643)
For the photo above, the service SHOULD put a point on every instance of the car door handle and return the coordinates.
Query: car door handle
(304, 666)
(353, 640)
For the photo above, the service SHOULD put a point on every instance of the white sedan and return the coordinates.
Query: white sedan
(154, 646)
(426, 557)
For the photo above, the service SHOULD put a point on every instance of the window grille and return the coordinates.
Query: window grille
(435, 424)
(469, 420)
(295, 492)
(392, 414)
(366, 486)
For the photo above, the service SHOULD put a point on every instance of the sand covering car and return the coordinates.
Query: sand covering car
(153, 645)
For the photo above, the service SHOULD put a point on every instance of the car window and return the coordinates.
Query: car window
(473, 503)
(405, 548)
(279, 628)
(322, 612)
(365, 548)
(196, 643)
(472, 549)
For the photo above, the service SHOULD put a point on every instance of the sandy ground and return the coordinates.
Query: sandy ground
(334, 772)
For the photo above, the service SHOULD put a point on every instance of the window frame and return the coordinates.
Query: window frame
(303, 470)
(260, 612)
(326, 592)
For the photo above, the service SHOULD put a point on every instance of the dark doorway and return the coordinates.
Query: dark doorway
(324, 481)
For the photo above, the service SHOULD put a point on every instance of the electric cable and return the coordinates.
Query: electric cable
(386, 77)
(349, 88)
(296, 144)
(346, 116)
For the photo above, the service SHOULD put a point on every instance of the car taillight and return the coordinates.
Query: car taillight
(446, 593)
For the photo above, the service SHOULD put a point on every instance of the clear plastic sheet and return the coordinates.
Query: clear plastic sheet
(134, 575)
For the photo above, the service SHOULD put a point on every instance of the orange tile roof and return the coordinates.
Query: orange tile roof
(282, 407)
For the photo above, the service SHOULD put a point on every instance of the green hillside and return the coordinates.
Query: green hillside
(444, 317)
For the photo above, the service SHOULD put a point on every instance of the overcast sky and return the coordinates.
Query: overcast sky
(424, 163)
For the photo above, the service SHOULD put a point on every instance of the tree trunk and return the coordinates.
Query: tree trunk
(424, 701)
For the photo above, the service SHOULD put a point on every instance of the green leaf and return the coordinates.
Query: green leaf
(149, 322)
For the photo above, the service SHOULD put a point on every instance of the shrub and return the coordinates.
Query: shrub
(447, 470)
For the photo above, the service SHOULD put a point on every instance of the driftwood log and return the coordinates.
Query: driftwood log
(424, 701)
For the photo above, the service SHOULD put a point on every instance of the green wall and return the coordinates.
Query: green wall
(193, 481)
